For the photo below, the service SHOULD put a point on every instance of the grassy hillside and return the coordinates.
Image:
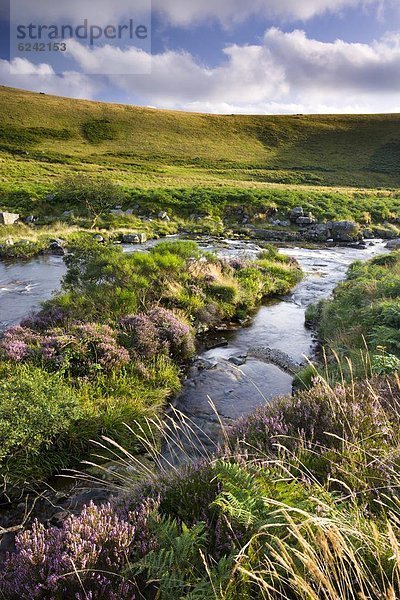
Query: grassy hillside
(43, 138)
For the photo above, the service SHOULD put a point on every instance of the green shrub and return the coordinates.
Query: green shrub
(36, 409)
(223, 293)
(22, 249)
(364, 312)
(96, 131)
(313, 314)
(95, 194)
(385, 364)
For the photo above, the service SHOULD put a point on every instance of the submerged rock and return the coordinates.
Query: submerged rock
(238, 361)
(222, 343)
(134, 238)
(203, 364)
(276, 357)
(393, 244)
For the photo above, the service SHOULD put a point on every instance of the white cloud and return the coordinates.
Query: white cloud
(21, 73)
(110, 60)
(189, 12)
(184, 12)
(319, 66)
(287, 73)
(177, 77)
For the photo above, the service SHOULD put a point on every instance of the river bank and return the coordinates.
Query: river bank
(241, 367)
(235, 369)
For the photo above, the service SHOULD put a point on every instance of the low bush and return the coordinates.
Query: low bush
(96, 195)
(158, 332)
(36, 410)
(304, 504)
(104, 284)
(364, 312)
(22, 249)
(81, 350)
(225, 293)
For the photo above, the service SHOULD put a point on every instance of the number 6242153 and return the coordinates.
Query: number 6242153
(42, 47)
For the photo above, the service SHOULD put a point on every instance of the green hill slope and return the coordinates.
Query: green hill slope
(44, 137)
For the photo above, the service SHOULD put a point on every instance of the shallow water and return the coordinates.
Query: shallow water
(280, 325)
(25, 284)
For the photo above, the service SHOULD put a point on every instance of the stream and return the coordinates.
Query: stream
(237, 377)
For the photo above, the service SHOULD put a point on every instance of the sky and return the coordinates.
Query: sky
(218, 56)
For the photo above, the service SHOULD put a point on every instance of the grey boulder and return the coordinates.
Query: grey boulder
(8, 218)
(296, 213)
(393, 244)
(134, 238)
(345, 231)
(56, 248)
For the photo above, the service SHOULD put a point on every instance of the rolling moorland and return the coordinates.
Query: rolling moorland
(153, 148)
(150, 148)
(301, 499)
(208, 172)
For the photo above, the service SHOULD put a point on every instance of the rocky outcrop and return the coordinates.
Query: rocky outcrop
(386, 232)
(310, 230)
(305, 221)
(279, 223)
(56, 248)
(393, 244)
(320, 232)
(8, 218)
(134, 238)
(345, 231)
(276, 235)
(296, 213)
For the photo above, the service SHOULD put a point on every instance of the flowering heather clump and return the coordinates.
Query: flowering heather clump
(260, 429)
(159, 331)
(83, 349)
(141, 335)
(81, 560)
(322, 416)
(45, 319)
(18, 343)
(96, 347)
(177, 334)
